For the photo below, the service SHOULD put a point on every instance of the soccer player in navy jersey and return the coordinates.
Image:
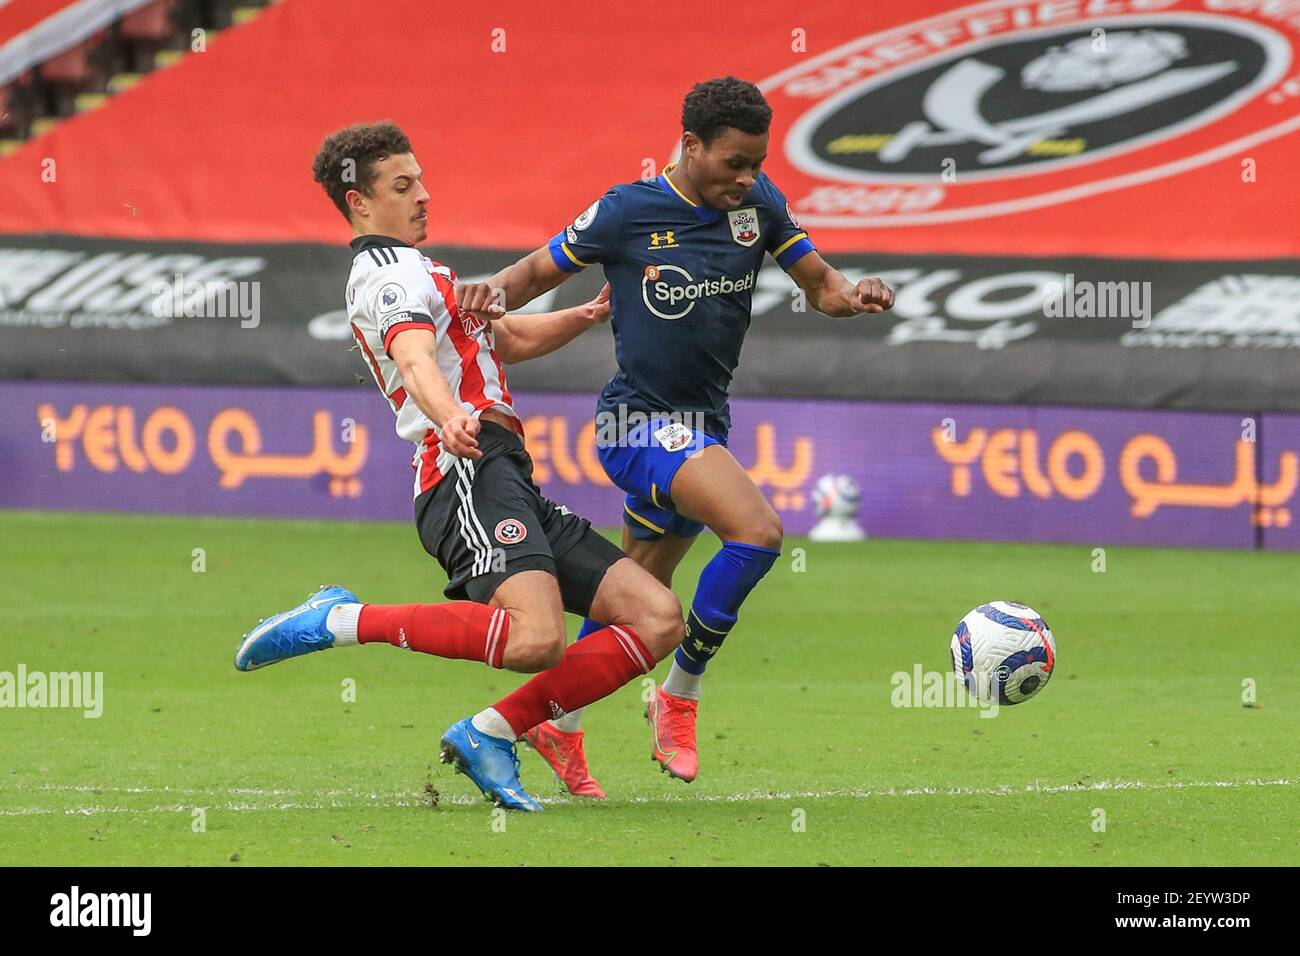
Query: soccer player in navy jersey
(682, 253)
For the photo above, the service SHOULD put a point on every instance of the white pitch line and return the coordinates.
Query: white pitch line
(233, 807)
(210, 791)
(329, 799)
(1031, 788)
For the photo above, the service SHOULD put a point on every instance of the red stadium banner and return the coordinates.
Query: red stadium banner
(1147, 128)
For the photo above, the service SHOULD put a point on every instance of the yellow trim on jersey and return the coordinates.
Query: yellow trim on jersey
(790, 242)
(668, 169)
(652, 527)
(575, 259)
(653, 496)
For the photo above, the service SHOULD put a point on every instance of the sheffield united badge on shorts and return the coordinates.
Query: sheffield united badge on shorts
(510, 531)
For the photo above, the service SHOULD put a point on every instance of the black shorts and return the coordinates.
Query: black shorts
(486, 520)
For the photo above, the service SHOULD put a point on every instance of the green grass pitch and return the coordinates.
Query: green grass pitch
(804, 759)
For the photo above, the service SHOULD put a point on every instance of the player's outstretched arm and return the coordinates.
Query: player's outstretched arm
(831, 294)
(413, 351)
(513, 286)
(523, 337)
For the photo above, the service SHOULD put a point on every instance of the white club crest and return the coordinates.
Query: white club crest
(744, 225)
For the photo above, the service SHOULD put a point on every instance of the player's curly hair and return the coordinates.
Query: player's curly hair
(715, 105)
(364, 144)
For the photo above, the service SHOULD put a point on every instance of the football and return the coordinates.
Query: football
(1003, 651)
(836, 496)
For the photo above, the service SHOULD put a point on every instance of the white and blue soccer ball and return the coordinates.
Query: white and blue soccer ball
(836, 496)
(1003, 651)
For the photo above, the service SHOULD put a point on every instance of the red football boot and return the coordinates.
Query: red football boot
(673, 721)
(563, 751)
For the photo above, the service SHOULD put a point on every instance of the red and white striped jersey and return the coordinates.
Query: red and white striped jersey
(393, 287)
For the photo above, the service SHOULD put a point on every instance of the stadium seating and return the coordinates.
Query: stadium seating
(58, 57)
(475, 113)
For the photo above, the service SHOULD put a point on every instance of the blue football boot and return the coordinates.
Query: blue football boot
(490, 762)
(292, 633)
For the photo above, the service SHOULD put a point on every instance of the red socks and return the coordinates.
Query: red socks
(592, 668)
(461, 630)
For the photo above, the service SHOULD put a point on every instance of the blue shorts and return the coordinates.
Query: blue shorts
(644, 464)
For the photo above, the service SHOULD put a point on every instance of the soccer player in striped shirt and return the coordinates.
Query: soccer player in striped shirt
(682, 253)
(516, 561)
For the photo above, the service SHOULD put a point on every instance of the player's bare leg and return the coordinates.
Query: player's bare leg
(622, 600)
(560, 742)
(645, 625)
(660, 556)
(710, 488)
(713, 488)
(532, 600)
(562, 751)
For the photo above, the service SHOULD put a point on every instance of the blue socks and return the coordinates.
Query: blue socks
(724, 584)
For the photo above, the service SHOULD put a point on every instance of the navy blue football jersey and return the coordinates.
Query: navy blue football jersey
(681, 278)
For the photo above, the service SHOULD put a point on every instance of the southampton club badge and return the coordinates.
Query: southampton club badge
(744, 225)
